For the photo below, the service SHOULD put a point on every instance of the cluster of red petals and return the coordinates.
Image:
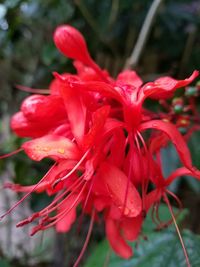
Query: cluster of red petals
(94, 128)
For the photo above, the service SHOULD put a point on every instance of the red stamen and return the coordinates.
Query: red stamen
(55, 219)
(176, 198)
(32, 90)
(11, 153)
(147, 153)
(142, 172)
(72, 171)
(85, 203)
(154, 208)
(86, 240)
(26, 195)
(129, 178)
(50, 207)
(177, 229)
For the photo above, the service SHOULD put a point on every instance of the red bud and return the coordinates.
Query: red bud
(71, 43)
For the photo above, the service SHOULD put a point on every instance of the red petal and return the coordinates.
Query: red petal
(131, 227)
(98, 118)
(52, 146)
(116, 241)
(103, 88)
(130, 77)
(45, 109)
(174, 135)
(180, 172)
(111, 125)
(88, 74)
(75, 107)
(65, 224)
(164, 87)
(101, 203)
(117, 152)
(54, 86)
(158, 142)
(24, 128)
(117, 182)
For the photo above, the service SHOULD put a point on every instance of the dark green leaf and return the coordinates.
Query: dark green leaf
(161, 249)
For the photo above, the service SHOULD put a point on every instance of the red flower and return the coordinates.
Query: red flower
(94, 127)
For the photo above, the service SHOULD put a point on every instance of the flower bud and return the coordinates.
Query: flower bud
(71, 43)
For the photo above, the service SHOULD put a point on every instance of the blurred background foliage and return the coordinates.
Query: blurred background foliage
(111, 27)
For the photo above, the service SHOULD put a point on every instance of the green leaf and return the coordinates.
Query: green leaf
(161, 249)
(99, 255)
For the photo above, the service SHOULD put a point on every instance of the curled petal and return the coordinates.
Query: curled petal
(52, 146)
(163, 88)
(176, 138)
(116, 241)
(181, 172)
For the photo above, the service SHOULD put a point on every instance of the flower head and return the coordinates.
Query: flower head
(93, 127)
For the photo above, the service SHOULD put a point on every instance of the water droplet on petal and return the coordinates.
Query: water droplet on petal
(126, 211)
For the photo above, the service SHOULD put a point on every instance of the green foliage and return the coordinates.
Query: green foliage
(161, 249)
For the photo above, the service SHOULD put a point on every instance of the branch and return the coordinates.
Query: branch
(133, 60)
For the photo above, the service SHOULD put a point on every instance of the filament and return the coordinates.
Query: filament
(86, 240)
(177, 229)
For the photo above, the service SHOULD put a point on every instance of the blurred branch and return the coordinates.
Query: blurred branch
(86, 14)
(113, 13)
(133, 60)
